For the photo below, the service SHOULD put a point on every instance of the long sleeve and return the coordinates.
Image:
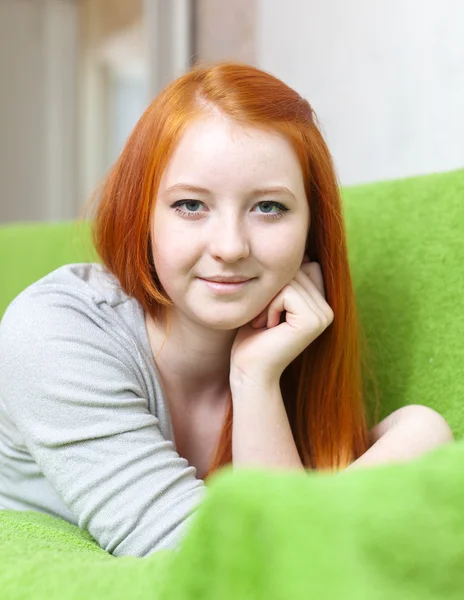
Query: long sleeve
(69, 379)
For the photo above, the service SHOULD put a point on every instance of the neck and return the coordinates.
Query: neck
(193, 362)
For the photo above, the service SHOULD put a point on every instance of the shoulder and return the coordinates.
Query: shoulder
(74, 305)
(81, 288)
(88, 281)
(66, 332)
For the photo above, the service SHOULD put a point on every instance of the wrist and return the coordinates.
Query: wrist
(238, 379)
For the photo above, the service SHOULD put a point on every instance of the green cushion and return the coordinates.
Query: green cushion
(395, 531)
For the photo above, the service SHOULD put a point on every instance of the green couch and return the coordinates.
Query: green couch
(383, 532)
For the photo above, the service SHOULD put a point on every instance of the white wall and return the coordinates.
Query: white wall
(37, 109)
(21, 165)
(385, 77)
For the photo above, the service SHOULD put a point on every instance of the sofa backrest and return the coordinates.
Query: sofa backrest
(406, 249)
(28, 251)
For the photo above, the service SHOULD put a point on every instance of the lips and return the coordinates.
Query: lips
(226, 288)
(232, 280)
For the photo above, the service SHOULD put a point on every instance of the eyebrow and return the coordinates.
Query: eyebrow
(256, 192)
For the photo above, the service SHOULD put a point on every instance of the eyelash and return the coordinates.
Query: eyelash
(279, 215)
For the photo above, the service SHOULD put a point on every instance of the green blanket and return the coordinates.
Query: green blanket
(395, 531)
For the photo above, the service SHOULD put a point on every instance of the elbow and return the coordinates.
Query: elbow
(432, 421)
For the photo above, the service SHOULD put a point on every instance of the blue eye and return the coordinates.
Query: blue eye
(185, 202)
(191, 214)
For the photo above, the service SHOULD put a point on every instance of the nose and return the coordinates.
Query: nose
(228, 239)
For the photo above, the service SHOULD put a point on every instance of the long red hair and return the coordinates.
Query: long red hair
(323, 388)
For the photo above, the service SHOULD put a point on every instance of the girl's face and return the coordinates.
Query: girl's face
(213, 217)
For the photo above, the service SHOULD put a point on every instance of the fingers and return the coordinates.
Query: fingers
(314, 272)
(311, 297)
(295, 301)
(309, 284)
(310, 277)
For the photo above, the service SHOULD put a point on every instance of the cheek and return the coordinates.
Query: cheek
(174, 242)
(163, 260)
(166, 271)
(278, 274)
(167, 249)
(285, 248)
(173, 262)
(284, 260)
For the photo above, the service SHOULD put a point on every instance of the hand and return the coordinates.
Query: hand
(264, 347)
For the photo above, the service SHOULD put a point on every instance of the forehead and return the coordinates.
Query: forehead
(215, 147)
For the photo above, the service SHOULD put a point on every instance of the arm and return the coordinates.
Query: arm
(261, 433)
(405, 434)
(72, 386)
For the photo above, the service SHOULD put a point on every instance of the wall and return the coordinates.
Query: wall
(37, 109)
(386, 79)
(225, 30)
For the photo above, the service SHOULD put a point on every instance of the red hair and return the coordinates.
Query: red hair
(322, 388)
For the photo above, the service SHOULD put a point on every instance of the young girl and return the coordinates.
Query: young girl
(221, 327)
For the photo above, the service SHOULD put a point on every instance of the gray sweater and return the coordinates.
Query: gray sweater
(85, 431)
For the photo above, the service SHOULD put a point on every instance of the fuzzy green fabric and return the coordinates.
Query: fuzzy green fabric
(377, 533)
(406, 249)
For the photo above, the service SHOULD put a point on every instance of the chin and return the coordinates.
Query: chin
(225, 323)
